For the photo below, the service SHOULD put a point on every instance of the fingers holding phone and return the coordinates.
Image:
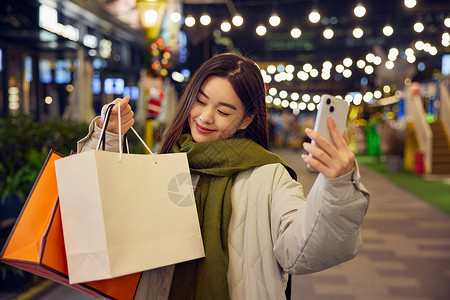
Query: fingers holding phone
(126, 115)
(329, 153)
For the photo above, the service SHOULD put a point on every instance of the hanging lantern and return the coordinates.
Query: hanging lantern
(151, 13)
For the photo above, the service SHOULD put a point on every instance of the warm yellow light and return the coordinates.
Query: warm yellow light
(328, 33)
(237, 20)
(302, 75)
(151, 17)
(347, 62)
(314, 16)
(327, 65)
(325, 75)
(225, 26)
(409, 51)
(274, 20)
(410, 3)
(340, 68)
(377, 60)
(189, 21)
(151, 14)
(368, 69)
(388, 30)
(175, 17)
(370, 57)
(296, 32)
(418, 27)
(205, 19)
(307, 67)
(273, 91)
(411, 59)
(261, 30)
(358, 32)
(361, 64)
(271, 69)
(433, 51)
(359, 10)
(389, 65)
(295, 96)
(347, 73)
(290, 69)
(377, 94)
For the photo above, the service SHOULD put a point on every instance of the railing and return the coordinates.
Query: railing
(416, 115)
(445, 105)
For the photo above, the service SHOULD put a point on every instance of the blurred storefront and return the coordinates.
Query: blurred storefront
(65, 58)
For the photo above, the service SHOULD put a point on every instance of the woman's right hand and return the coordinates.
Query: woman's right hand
(126, 116)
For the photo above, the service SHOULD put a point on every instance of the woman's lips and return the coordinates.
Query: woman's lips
(202, 129)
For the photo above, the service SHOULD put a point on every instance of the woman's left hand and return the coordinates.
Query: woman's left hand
(332, 161)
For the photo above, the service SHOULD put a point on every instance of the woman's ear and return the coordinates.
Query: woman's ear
(248, 119)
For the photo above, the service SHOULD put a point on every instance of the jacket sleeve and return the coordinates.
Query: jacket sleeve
(323, 231)
(89, 142)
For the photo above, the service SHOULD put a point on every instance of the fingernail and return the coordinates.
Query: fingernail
(307, 130)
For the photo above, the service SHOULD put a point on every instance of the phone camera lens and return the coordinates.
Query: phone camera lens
(331, 108)
(328, 101)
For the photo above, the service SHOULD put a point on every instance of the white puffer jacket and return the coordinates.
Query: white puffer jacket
(273, 229)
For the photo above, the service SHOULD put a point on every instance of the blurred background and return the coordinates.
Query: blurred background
(62, 60)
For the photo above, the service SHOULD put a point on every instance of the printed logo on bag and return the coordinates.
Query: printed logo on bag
(180, 190)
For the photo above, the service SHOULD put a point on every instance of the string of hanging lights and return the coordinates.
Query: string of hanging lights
(346, 68)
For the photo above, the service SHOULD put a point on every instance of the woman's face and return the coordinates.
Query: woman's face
(217, 112)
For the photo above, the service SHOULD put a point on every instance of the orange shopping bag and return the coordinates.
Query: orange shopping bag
(36, 243)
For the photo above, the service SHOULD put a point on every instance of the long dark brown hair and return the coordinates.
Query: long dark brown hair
(246, 80)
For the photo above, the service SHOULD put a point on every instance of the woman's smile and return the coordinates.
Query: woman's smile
(202, 129)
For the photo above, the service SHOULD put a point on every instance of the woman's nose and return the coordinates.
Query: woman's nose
(207, 117)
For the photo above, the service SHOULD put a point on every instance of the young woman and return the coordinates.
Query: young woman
(256, 224)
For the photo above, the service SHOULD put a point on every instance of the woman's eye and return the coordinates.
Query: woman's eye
(201, 102)
(223, 113)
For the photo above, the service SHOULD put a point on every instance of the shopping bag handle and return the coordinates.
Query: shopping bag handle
(125, 147)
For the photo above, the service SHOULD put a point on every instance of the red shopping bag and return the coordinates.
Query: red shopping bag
(36, 243)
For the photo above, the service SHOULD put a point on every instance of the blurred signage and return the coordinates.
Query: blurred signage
(48, 19)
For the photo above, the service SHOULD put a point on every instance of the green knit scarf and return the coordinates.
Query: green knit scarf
(217, 163)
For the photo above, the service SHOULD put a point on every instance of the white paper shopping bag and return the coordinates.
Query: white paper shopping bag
(125, 213)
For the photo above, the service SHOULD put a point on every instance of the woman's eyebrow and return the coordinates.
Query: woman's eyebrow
(228, 105)
(221, 103)
(203, 93)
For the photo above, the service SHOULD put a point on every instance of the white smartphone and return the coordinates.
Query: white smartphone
(330, 106)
